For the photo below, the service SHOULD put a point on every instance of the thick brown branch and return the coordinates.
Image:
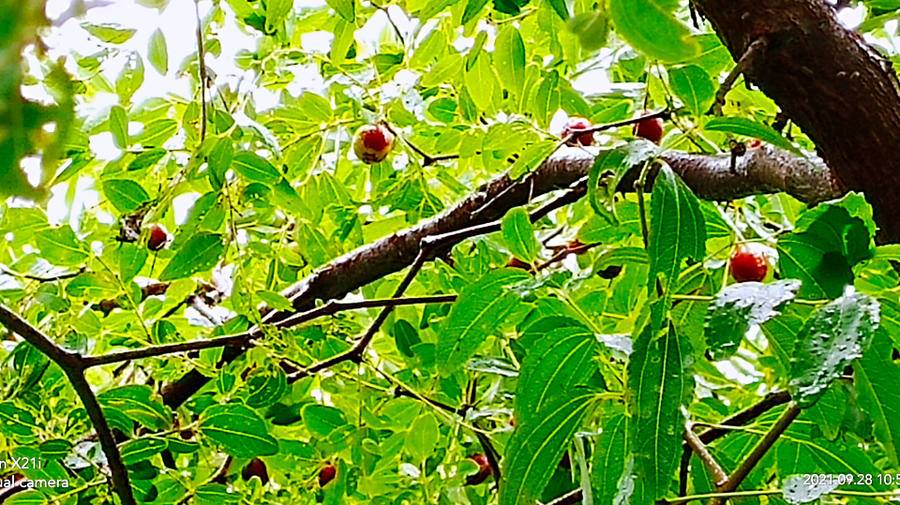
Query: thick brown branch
(831, 84)
(760, 171)
(104, 434)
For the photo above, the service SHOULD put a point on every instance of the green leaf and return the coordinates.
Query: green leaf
(509, 58)
(546, 100)
(651, 30)
(473, 9)
(112, 33)
(824, 250)
(61, 247)
(275, 300)
(876, 377)
(560, 8)
(315, 108)
(741, 306)
(345, 8)
(138, 403)
(277, 11)
(531, 158)
(694, 87)
(677, 229)
(157, 132)
(130, 78)
(158, 52)
(141, 449)
(219, 161)
(422, 437)
(591, 28)
(256, 169)
(750, 128)
(16, 421)
(160, 5)
(557, 366)
(660, 382)
(836, 334)
(125, 194)
(608, 462)
(619, 257)
(265, 386)
(200, 253)
(535, 449)
(240, 430)
(518, 233)
(511, 7)
(146, 159)
(118, 126)
(216, 494)
(480, 308)
(321, 420)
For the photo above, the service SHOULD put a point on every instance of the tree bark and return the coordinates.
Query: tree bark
(832, 84)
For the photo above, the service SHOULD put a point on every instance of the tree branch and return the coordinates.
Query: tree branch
(73, 366)
(760, 171)
(699, 448)
(741, 418)
(745, 61)
(244, 339)
(758, 451)
(840, 91)
(38, 278)
(201, 56)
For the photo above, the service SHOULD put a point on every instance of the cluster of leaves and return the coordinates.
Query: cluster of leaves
(580, 373)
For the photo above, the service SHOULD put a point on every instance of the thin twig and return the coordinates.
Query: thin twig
(245, 338)
(723, 428)
(38, 278)
(703, 453)
(758, 451)
(201, 56)
(571, 498)
(741, 67)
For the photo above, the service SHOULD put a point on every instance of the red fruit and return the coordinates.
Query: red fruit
(748, 266)
(517, 263)
(327, 474)
(256, 468)
(754, 144)
(158, 238)
(578, 123)
(650, 129)
(373, 143)
(484, 470)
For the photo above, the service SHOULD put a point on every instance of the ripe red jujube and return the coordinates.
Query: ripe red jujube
(578, 123)
(157, 238)
(650, 129)
(748, 265)
(484, 470)
(373, 143)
